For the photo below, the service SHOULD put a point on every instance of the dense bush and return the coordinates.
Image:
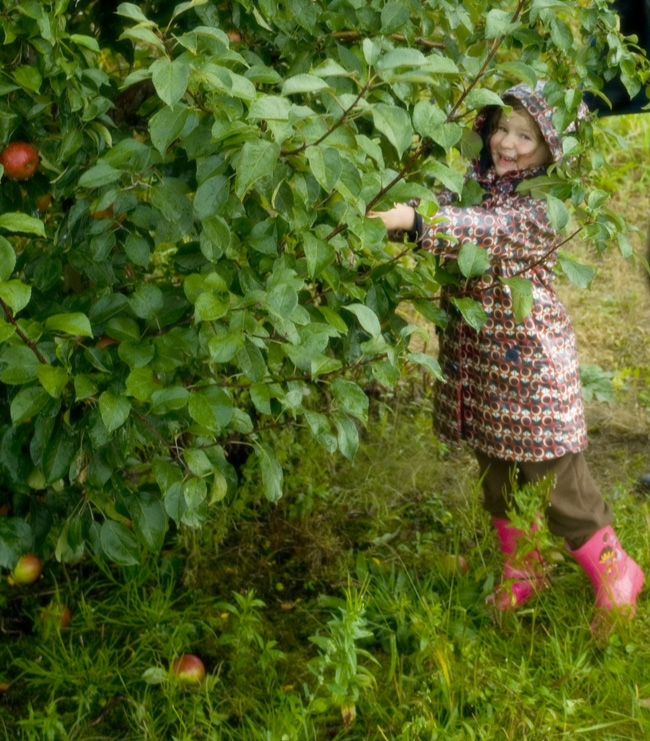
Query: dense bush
(191, 271)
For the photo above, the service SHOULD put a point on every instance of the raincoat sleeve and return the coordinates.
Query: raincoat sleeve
(519, 231)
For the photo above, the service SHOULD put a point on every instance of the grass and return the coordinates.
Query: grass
(338, 614)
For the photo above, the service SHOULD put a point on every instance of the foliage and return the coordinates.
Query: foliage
(205, 276)
(411, 641)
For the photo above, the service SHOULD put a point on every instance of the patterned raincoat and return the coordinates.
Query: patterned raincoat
(512, 390)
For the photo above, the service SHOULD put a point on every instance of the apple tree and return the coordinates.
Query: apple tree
(190, 276)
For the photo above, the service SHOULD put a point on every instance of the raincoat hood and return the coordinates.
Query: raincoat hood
(534, 101)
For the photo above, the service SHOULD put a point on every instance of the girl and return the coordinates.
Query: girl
(513, 390)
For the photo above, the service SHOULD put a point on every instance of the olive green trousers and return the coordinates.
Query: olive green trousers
(576, 509)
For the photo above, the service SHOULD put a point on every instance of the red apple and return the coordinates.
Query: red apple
(234, 35)
(188, 669)
(43, 202)
(27, 570)
(56, 614)
(20, 160)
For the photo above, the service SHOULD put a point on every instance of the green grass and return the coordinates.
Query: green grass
(337, 597)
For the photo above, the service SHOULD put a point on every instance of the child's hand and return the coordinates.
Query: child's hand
(400, 216)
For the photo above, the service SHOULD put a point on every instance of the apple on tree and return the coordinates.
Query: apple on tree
(20, 160)
(188, 669)
(27, 570)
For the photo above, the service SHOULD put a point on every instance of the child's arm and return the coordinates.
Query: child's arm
(400, 217)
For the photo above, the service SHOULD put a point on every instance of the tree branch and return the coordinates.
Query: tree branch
(31, 345)
(333, 127)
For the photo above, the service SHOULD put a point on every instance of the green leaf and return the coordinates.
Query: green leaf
(212, 408)
(319, 254)
(53, 379)
(431, 364)
(15, 294)
(257, 159)
(580, 275)
(7, 259)
(261, 397)
(88, 42)
(76, 324)
(472, 260)
(27, 403)
(137, 250)
(83, 387)
(402, 57)
(272, 475)
(480, 97)
(393, 16)
(394, 123)
(472, 312)
(303, 83)
(351, 398)
(197, 461)
(17, 222)
(119, 543)
(449, 178)
(28, 77)
(211, 197)
(149, 520)
(114, 410)
(367, 318)
(146, 301)
(520, 71)
(58, 455)
(521, 291)
(498, 23)
(170, 79)
(209, 306)
(557, 212)
(99, 175)
(144, 35)
(182, 7)
(326, 166)
(348, 436)
(166, 125)
(129, 10)
(140, 384)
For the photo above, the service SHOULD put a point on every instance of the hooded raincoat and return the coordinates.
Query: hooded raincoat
(512, 390)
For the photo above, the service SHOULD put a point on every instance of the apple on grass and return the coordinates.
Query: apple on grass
(453, 564)
(27, 570)
(56, 614)
(188, 669)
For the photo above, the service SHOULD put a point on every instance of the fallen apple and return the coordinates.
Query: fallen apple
(56, 614)
(188, 669)
(452, 564)
(27, 570)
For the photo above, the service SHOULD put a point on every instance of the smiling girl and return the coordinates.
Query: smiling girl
(512, 390)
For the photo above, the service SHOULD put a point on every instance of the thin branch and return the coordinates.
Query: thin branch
(333, 127)
(31, 345)
(173, 449)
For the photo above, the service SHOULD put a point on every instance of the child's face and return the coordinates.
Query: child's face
(517, 144)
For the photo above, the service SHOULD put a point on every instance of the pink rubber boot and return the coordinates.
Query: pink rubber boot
(523, 576)
(616, 577)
